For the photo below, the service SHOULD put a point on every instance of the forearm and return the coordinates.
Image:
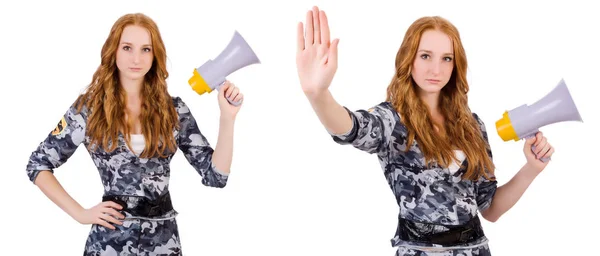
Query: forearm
(331, 114)
(508, 195)
(223, 154)
(50, 186)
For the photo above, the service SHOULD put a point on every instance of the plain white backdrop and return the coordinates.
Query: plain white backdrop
(292, 190)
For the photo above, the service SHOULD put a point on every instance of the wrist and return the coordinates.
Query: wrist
(316, 95)
(227, 119)
(77, 212)
(530, 170)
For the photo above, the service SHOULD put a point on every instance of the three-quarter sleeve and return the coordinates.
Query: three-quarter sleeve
(196, 148)
(59, 145)
(371, 129)
(486, 187)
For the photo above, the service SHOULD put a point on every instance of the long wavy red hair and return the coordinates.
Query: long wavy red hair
(106, 99)
(462, 130)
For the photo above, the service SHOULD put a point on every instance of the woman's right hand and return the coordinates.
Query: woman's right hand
(316, 58)
(103, 214)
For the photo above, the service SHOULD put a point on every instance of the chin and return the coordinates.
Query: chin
(431, 89)
(134, 76)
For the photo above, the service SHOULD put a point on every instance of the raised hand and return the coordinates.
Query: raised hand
(316, 58)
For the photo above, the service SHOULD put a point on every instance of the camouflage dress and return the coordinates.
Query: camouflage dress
(433, 197)
(124, 173)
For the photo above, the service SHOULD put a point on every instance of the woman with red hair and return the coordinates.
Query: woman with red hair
(132, 128)
(433, 150)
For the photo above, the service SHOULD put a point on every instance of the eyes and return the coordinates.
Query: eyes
(145, 49)
(426, 56)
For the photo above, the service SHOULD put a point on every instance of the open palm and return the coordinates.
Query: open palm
(316, 59)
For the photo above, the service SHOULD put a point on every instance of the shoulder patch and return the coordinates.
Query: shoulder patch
(60, 127)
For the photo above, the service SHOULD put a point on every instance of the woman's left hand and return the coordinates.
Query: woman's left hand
(228, 90)
(541, 149)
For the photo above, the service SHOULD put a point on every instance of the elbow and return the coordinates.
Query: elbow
(35, 174)
(220, 185)
(215, 183)
(490, 215)
(215, 177)
(220, 180)
(491, 219)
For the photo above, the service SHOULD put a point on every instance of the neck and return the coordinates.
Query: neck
(132, 87)
(431, 100)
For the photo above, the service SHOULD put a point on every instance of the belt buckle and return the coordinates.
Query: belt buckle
(153, 210)
(464, 235)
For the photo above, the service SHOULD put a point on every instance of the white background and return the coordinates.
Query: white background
(292, 190)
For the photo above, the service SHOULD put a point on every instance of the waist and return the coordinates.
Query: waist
(437, 235)
(139, 206)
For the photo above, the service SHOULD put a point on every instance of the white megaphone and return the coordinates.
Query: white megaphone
(524, 121)
(212, 74)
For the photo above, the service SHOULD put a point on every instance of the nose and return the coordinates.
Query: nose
(136, 57)
(435, 68)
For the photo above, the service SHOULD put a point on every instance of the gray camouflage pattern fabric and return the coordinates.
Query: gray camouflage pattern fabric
(428, 195)
(124, 173)
(135, 237)
(482, 250)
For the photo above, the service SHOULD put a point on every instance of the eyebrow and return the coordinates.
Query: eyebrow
(128, 43)
(427, 51)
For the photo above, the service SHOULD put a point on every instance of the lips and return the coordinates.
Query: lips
(433, 81)
(135, 69)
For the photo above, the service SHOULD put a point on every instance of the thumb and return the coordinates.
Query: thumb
(333, 51)
(530, 141)
(222, 89)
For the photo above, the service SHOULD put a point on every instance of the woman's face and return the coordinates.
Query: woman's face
(434, 62)
(134, 55)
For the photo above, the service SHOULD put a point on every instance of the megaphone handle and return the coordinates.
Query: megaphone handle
(234, 103)
(543, 159)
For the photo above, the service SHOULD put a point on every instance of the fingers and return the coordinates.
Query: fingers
(324, 27)
(107, 213)
(549, 153)
(316, 25)
(309, 28)
(333, 52)
(222, 90)
(316, 30)
(113, 212)
(112, 205)
(111, 219)
(540, 144)
(546, 150)
(300, 37)
(530, 141)
(225, 86)
(104, 224)
(538, 137)
(231, 90)
(238, 98)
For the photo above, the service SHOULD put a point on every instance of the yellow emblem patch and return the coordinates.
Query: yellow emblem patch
(60, 127)
(371, 110)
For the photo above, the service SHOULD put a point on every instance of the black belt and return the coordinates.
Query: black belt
(142, 206)
(445, 235)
